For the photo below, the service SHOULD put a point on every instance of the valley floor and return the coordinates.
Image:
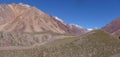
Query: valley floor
(93, 44)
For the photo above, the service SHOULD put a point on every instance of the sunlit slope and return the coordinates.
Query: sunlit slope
(94, 44)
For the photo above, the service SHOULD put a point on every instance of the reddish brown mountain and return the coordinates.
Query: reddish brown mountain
(113, 27)
(24, 18)
(77, 29)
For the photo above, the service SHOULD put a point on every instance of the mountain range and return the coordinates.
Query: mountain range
(21, 17)
(26, 31)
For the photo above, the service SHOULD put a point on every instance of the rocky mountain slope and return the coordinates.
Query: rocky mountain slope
(113, 27)
(23, 25)
(24, 18)
(77, 29)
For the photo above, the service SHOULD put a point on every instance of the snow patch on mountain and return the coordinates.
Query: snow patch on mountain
(91, 29)
(76, 25)
(58, 19)
(24, 5)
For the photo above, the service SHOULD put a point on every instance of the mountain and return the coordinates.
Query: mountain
(26, 31)
(25, 18)
(113, 27)
(24, 25)
(76, 29)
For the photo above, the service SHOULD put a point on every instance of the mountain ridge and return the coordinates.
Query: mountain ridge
(113, 27)
(29, 19)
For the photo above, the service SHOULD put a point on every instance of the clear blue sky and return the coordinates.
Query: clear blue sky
(86, 13)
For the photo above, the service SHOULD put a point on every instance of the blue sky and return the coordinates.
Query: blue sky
(86, 13)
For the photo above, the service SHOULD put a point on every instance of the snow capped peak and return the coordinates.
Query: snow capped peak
(58, 19)
(76, 25)
(24, 4)
(91, 29)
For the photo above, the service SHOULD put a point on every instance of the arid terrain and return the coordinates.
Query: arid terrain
(26, 31)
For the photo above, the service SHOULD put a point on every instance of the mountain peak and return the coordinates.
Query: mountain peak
(58, 19)
(24, 18)
(26, 5)
(19, 4)
(77, 29)
(76, 25)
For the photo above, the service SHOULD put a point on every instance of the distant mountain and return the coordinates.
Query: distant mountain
(113, 27)
(76, 29)
(25, 18)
